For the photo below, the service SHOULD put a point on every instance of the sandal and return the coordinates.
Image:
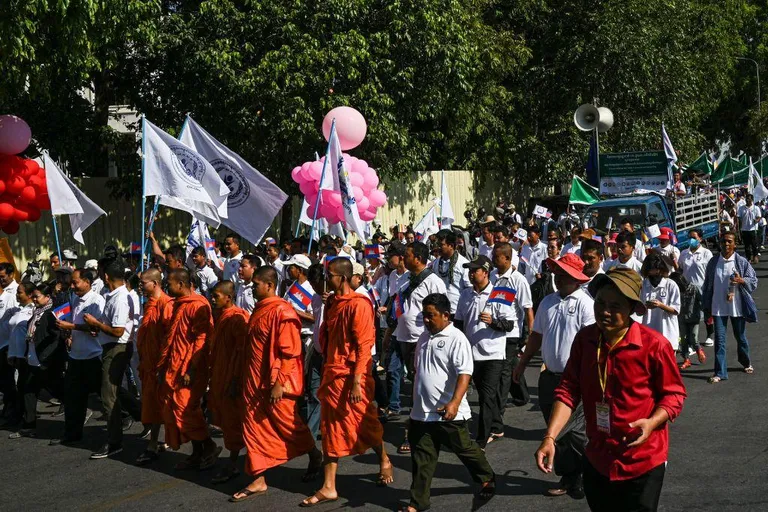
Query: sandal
(749, 370)
(146, 457)
(225, 475)
(685, 364)
(404, 448)
(714, 380)
(386, 476)
(208, 461)
(246, 494)
(320, 497)
(488, 490)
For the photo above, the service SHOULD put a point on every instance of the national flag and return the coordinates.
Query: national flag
(418, 237)
(63, 312)
(270, 241)
(300, 296)
(342, 185)
(446, 210)
(210, 244)
(67, 199)
(502, 295)
(373, 293)
(253, 201)
(373, 251)
(669, 152)
(398, 307)
(135, 249)
(597, 238)
(183, 178)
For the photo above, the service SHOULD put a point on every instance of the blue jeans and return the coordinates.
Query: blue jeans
(312, 404)
(738, 325)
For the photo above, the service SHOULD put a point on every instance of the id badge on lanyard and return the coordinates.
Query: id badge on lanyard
(602, 408)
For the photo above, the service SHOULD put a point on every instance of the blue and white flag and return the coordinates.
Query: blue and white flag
(669, 151)
(182, 177)
(341, 184)
(253, 201)
(199, 235)
(755, 184)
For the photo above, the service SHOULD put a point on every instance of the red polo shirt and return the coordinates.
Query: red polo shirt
(642, 376)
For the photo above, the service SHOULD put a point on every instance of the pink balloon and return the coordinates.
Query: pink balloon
(334, 198)
(363, 204)
(310, 211)
(356, 180)
(360, 166)
(358, 193)
(296, 174)
(370, 180)
(15, 135)
(305, 171)
(311, 200)
(377, 198)
(367, 216)
(316, 170)
(339, 213)
(308, 188)
(327, 211)
(350, 126)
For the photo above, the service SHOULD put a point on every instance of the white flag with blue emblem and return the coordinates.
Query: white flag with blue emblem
(669, 152)
(184, 179)
(253, 201)
(341, 184)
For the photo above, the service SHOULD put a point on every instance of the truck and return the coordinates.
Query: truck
(700, 210)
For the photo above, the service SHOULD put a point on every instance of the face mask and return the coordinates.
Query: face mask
(655, 280)
(694, 244)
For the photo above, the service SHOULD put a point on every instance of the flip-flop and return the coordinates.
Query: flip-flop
(225, 476)
(320, 499)
(247, 495)
(404, 448)
(384, 474)
(207, 462)
(488, 490)
(146, 457)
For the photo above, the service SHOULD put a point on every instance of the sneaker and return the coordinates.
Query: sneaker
(127, 423)
(145, 432)
(702, 356)
(690, 352)
(709, 342)
(59, 412)
(106, 451)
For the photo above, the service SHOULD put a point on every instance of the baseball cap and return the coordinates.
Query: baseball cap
(300, 261)
(665, 234)
(480, 262)
(357, 269)
(91, 265)
(570, 265)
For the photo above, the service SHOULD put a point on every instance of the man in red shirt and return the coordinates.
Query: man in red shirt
(626, 376)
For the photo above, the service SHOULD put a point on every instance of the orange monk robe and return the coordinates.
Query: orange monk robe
(225, 396)
(347, 336)
(273, 433)
(150, 344)
(190, 329)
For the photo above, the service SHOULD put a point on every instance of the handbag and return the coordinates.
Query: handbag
(748, 307)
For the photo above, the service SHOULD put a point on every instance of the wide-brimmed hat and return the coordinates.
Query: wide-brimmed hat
(587, 234)
(626, 280)
(570, 265)
(489, 219)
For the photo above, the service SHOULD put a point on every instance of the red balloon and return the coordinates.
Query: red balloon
(43, 201)
(11, 227)
(36, 182)
(28, 195)
(2, 188)
(33, 213)
(14, 185)
(6, 211)
(20, 215)
(30, 168)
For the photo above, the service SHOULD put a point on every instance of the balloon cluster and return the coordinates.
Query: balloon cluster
(350, 129)
(23, 188)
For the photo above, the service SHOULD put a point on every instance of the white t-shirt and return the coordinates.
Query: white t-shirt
(84, 344)
(460, 278)
(207, 278)
(748, 216)
(487, 344)
(17, 327)
(397, 282)
(660, 321)
(134, 318)
(410, 325)
(8, 301)
(694, 265)
(639, 251)
(632, 263)
(721, 285)
(523, 300)
(98, 286)
(537, 256)
(279, 266)
(679, 188)
(439, 359)
(485, 249)
(558, 319)
(319, 308)
(671, 252)
(585, 286)
(570, 248)
(231, 267)
(117, 313)
(244, 297)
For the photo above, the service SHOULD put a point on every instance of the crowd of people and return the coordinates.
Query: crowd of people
(318, 340)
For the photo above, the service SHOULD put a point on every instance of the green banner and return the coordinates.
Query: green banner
(701, 165)
(727, 168)
(632, 165)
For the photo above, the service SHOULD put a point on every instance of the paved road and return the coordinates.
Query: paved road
(718, 460)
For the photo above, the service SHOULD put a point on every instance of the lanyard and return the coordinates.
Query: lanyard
(602, 375)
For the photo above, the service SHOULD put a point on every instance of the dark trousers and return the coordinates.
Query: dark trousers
(487, 378)
(83, 377)
(115, 358)
(314, 374)
(426, 440)
(30, 379)
(7, 382)
(570, 444)
(400, 355)
(519, 391)
(639, 494)
(750, 243)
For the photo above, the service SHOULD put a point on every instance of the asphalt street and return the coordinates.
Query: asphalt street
(718, 459)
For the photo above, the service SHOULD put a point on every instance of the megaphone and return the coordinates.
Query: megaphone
(605, 119)
(587, 117)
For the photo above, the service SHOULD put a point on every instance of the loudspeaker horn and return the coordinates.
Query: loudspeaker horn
(604, 120)
(586, 117)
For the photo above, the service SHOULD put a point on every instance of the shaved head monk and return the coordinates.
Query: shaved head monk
(225, 391)
(349, 422)
(184, 373)
(150, 343)
(273, 383)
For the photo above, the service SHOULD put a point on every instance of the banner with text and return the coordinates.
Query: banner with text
(622, 173)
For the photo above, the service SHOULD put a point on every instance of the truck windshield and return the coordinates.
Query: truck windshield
(597, 217)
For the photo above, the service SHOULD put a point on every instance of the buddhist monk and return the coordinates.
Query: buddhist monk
(150, 343)
(349, 421)
(183, 373)
(272, 386)
(225, 390)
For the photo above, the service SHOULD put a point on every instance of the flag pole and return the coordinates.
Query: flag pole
(442, 185)
(143, 188)
(320, 190)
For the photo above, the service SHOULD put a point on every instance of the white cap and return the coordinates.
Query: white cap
(358, 269)
(300, 261)
(69, 254)
(91, 265)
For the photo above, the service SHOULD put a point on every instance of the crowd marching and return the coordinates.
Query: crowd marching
(288, 345)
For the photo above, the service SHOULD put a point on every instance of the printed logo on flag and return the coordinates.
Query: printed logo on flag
(63, 312)
(502, 295)
(521, 234)
(300, 296)
(542, 211)
(239, 189)
(210, 244)
(192, 168)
